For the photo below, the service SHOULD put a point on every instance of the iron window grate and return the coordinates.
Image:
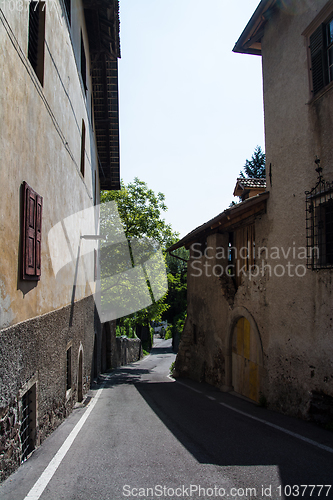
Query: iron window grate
(319, 224)
(26, 428)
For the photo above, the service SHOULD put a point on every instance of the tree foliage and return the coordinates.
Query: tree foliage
(177, 280)
(140, 211)
(256, 166)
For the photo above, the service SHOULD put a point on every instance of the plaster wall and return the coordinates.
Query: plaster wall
(214, 307)
(40, 143)
(204, 344)
(298, 329)
(289, 305)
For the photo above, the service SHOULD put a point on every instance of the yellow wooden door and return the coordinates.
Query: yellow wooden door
(245, 360)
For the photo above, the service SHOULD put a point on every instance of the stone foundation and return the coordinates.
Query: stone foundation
(33, 357)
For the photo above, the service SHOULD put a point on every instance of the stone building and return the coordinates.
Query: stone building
(263, 327)
(59, 146)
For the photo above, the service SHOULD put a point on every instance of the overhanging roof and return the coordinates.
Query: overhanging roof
(102, 21)
(250, 40)
(226, 221)
(249, 183)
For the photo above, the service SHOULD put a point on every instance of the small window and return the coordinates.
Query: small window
(321, 52)
(36, 38)
(32, 234)
(68, 9)
(83, 65)
(69, 369)
(83, 145)
(242, 251)
(28, 422)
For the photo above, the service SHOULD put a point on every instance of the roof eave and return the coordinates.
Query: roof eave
(250, 40)
(224, 218)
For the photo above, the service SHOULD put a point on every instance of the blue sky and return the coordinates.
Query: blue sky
(191, 110)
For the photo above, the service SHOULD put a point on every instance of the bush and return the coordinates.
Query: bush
(168, 334)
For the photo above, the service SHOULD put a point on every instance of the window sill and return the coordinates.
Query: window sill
(321, 93)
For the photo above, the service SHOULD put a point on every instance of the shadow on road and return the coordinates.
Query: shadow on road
(217, 435)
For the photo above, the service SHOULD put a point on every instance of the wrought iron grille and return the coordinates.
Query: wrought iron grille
(319, 223)
(26, 428)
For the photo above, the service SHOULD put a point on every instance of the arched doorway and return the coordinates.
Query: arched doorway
(246, 360)
(80, 378)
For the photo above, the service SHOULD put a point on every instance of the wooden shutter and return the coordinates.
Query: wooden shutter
(36, 37)
(318, 59)
(32, 233)
(39, 206)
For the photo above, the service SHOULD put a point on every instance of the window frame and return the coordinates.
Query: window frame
(31, 234)
(36, 38)
(317, 49)
(319, 232)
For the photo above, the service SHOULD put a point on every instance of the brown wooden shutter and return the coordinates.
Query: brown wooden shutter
(318, 59)
(39, 207)
(32, 233)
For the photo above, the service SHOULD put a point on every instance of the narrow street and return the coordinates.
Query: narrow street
(151, 437)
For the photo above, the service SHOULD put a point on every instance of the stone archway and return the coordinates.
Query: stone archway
(246, 371)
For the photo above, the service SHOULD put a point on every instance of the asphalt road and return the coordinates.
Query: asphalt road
(144, 435)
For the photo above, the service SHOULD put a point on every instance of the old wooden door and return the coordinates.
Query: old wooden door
(246, 356)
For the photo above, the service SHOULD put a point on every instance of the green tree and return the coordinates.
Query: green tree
(140, 211)
(256, 167)
(177, 294)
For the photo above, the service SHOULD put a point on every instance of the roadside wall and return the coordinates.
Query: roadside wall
(127, 351)
(34, 358)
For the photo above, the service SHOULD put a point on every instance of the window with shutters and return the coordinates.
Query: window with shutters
(32, 234)
(36, 38)
(321, 56)
(242, 250)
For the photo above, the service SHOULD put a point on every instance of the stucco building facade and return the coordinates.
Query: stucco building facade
(267, 333)
(59, 146)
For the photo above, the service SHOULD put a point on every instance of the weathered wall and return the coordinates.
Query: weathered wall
(214, 307)
(298, 332)
(288, 305)
(35, 350)
(127, 351)
(40, 142)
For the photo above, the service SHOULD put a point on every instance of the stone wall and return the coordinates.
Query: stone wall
(33, 354)
(127, 351)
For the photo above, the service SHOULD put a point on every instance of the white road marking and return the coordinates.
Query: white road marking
(192, 388)
(40, 485)
(294, 434)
